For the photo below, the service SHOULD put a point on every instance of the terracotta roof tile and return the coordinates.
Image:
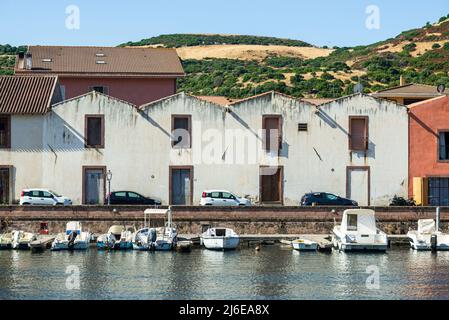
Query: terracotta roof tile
(223, 101)
(26, 94)
(103, 60)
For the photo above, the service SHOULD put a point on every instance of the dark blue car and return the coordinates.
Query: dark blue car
(325, 199)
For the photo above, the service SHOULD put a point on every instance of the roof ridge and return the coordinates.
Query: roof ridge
(91, 93)
(99, 47)
(145, 105)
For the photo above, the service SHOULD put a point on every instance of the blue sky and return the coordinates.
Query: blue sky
(111, 22)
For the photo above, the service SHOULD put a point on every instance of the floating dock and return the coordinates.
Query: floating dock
(42, 243)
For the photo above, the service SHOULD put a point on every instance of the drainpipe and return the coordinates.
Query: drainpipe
(437, 227)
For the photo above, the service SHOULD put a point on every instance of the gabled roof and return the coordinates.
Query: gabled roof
(181, 94)
(317, 101)
(26, 94)
(363, 95)
(412, 90)
(269, 93)
(92, 93)
(102, 61)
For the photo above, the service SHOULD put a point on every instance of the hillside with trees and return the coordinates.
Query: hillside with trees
(420, 55)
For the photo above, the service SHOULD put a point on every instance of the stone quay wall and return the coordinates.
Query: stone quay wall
(193, 219)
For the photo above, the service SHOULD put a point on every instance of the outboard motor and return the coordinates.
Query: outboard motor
(152, 235)
(72, 237)
(433, 242)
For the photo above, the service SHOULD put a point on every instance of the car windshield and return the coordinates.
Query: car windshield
(54, 193)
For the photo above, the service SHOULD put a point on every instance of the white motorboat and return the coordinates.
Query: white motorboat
(74, 238)
(6, 240)
(428, 237)
(220, 239)
(304, 245)
(358, 232)
(159, 239)
(22, 240)
(119, 237)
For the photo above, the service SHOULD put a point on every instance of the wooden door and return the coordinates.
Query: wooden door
(271, 184)
(5, 186)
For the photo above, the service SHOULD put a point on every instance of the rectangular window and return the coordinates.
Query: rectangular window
(5, 132)
(181, 131)
(443, 142)
(100, 89)
(358, 133)
(352, 222)
(438, 191)
(272, 137)
(94, 131)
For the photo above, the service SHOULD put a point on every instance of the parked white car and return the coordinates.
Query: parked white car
(222, 198)
(42, 197)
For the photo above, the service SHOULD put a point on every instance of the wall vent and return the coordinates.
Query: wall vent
(302, 126)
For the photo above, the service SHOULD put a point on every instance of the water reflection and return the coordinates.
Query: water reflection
(272, 273)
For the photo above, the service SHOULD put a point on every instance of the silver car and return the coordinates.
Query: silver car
(43, 197)
(222, 198)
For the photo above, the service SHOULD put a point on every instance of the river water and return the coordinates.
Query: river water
(275, 272)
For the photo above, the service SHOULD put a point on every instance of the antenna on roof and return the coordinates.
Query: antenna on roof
(358, 88)
(441, 88)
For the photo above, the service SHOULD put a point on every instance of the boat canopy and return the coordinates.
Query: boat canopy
(73, 226)
(359, 220)
(156, 211)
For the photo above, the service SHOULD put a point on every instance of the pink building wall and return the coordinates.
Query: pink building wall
(135, 90)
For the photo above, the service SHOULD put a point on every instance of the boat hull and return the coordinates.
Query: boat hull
(65, 246)
(221, 243)
(5, 246)
(358, 247)
(302, 246)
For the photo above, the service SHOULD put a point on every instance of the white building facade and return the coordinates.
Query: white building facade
(271, 148)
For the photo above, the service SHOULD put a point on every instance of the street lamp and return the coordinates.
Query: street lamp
(109, 178)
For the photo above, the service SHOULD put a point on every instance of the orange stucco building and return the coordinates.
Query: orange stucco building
(429, 151)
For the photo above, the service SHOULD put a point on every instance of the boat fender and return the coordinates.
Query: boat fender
(433, 242)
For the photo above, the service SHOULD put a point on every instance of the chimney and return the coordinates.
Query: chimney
(20, 60)
(401, 80)
(28, 61)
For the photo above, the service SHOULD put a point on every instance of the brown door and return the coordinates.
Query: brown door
(272, 135)
(271, 184)
(4, 185)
